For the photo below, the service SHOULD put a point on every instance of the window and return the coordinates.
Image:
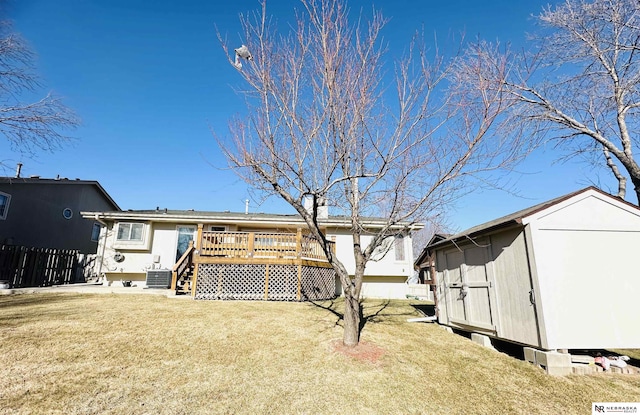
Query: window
(218, 228)
(67, 213)
(95, 232)
(4, 205)
(130, 232)
(399, 248)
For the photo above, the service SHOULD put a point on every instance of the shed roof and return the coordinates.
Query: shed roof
(514, 219)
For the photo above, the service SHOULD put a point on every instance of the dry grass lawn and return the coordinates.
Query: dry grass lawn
(128, 354)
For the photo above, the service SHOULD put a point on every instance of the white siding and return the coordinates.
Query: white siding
(586, 256)
(386, 265)
(137, 262)
(384, 287)
(384, 278)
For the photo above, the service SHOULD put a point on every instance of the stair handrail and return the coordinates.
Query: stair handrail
(182, 265)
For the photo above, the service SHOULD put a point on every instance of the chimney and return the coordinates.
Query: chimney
(323, 209)
(18, 170)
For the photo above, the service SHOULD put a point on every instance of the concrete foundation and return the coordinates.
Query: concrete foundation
(554, 363)
(530, 355)
(482, 340)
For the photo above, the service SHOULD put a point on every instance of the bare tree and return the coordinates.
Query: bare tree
(579, 86)
(329, 120)
(29, 126)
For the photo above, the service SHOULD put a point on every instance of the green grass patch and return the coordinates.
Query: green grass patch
(110, 354)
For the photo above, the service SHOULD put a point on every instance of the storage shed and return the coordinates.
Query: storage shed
(564, 274)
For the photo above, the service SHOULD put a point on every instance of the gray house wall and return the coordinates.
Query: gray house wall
(35, 215)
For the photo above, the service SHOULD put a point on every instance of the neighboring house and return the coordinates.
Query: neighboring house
(426, 272)
(240, 255)
(45, 213)
(560, 275)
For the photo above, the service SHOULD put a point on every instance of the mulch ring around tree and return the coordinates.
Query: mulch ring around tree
(364, 352)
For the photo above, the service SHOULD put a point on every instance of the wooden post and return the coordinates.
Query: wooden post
(250, 247)
(194, 279)
(174, 279)
(298, 243)
(199, 238)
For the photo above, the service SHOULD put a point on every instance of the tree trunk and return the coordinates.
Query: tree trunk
(351, 319)
(636, 188)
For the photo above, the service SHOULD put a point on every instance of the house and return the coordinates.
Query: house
(426, 272)
(556, 276)
(45, 213)
(226, 255)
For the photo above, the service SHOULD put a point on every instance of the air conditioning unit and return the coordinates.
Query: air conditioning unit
(159, 278)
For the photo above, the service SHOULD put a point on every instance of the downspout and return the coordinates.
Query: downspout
(104, 245)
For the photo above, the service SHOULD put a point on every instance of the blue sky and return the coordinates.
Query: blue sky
(150, 81)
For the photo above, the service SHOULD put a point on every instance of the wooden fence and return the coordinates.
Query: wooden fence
(40, 267)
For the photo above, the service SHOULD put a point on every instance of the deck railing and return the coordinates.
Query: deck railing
(261, 245)
(182, 266)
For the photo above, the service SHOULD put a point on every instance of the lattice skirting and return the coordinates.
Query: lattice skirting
(264, 282)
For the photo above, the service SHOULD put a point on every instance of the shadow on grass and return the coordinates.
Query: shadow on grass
(10, 303)
(425, 309)
(371, 311)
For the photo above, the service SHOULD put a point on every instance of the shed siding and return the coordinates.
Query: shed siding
(589, 292)
(578, 254)
(465, 284)
(479, 290)
(453, 275)
(589, 212)
(516, 315)
(586, 255)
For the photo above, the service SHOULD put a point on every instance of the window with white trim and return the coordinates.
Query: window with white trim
(95, 232)
(130, 232)
(5, 198)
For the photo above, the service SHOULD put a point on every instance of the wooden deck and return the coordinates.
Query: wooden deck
(239, 246)
(296, 252)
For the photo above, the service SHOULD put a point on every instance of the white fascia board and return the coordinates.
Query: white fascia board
(239, 218)
(611, 200)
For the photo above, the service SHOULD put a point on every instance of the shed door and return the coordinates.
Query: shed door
(468, 289)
